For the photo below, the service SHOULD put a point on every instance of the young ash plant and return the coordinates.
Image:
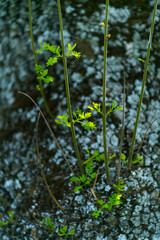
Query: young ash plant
(88, 168)
(47, 224)
(114, 199)
(91, 172)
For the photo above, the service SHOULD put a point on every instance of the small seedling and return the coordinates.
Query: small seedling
(47, 224)
(89, 169)
(114, 199)
(63, 232)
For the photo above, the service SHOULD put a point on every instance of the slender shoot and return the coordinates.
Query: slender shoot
(36, 62)
(122, 133)
(143, 84)
(144, 137)
(106, 159)
(67, 90)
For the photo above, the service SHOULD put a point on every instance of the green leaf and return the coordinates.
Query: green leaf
(72, 232)
(96, 153)
(51, 61)
(89, 125)
(11, 214)
(77, 188)
(41, 48)
(45, 72)
(114, 104)
(75, 179)
(3, 223)
(87, 182)
(38, 87)
(96, 213)
(123, 157)
(50, 48)
(89, 167)
(113, 108)
(76, 54)
(74, 114)
(63, 230)
(70, 48)
(138, 159)
(106, 206)
(120, 185)
(83, 178)
(38, 68)
(45, 220)
(63, 120)
(101, 202)
(112, 156)
(141, 60)
(93, 175)
(48, 79)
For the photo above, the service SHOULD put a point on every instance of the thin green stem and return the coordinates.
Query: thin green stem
(67, 90)
(122, 134)
(143, 84)
(36, 62)
(104, 93)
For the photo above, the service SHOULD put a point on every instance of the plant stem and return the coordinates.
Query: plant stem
(143, 84)
(36, 62)
(122, 134)
(67, 89)
(104, 93)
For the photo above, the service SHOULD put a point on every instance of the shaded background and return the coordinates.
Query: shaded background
(129, 25)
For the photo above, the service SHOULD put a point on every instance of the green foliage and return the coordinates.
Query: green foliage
(123, 157)
(112, 156)
(79, 117)
(11, 215)
(89, 170)
(88, 125)
(42, 74)
(63, 120)
(47, 224)
(51, 48)
(63, 232)
(138, 159)
(95, 107)
(114, 199)
(114, 108)
(38, 87)
(141, 60)
(56, 50)
(51, 61)
(90, 173)
(71, 52)
(120, 185)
